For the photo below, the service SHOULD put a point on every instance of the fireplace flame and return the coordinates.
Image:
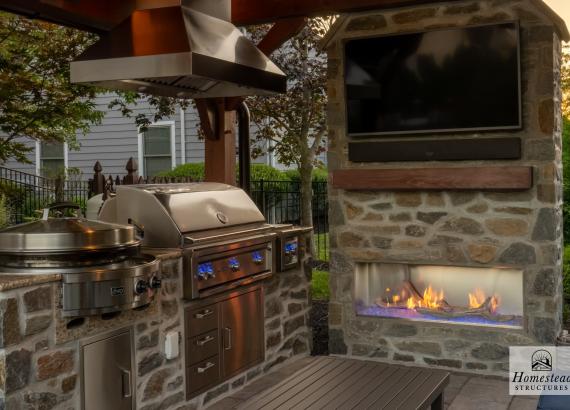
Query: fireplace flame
(476, 299)
(434, 302)
(431, 299)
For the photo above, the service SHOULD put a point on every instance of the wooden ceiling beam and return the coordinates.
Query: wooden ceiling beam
(102, 15)
(280, 32)
(90, 15)
(247, 12)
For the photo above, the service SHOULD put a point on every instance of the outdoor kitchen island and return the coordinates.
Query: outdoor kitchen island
(54, 362)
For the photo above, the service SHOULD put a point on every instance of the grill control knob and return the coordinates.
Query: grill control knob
(155, 282)
(234, 264)
(141, 287)
(257, 258)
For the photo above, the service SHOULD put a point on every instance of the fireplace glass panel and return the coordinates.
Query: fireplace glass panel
(451, 294)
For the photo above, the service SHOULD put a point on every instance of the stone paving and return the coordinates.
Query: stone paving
(465, 391)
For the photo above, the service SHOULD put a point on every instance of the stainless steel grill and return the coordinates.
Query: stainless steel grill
(100, 263)
(225, 238)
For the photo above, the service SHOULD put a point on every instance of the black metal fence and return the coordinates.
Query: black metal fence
(280, 201)
(26, 194)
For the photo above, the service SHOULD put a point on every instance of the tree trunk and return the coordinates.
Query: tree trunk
(306, 174)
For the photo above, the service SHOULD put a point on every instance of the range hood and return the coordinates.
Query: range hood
(187, 50)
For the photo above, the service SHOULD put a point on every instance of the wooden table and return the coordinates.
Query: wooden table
(338, 383)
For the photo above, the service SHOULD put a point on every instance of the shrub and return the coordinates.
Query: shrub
(193, 170)
(4, 215)
(266, 173)
(319, 175)
(196, 171)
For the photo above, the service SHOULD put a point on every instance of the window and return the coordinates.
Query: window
(157, 148)
(51, 158)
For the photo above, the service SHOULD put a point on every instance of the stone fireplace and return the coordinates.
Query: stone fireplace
(447, 276)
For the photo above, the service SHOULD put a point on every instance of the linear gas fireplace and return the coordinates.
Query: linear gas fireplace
(449, 294)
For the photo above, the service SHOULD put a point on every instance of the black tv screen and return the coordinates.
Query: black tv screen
(435, 81)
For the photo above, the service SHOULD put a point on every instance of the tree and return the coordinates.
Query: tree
(37, 101)
(295, 123)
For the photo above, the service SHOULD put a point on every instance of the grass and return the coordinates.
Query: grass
(566, 281)
(320, 285)
(323, 246)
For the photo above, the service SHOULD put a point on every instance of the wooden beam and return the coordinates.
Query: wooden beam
(280, 32)
(220, 154)
(515, 178)
(91, 15)
(212, 117)
(102, 15)
(247, 12)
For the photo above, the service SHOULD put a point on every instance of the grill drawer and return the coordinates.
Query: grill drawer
(201, 320)
(202, 375)
(201, 347)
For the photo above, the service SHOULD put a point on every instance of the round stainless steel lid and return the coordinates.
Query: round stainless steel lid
(59, 235)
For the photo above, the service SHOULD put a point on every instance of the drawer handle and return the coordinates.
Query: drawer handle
(126, 383)
(203, 314)
(202, 342)
(227, 338)
(208, 366)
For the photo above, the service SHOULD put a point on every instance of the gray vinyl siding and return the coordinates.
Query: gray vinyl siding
(115, 140)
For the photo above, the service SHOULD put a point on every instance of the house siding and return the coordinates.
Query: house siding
(115, 140)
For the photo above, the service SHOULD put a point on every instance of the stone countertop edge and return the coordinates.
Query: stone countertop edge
(163, 253)
(10, 281)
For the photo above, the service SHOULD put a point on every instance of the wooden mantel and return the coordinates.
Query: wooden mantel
(514, 178)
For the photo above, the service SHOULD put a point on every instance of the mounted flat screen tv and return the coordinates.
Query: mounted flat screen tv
(449, 80)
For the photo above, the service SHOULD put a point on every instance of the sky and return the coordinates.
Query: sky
(562, 7)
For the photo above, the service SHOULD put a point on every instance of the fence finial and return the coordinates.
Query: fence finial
(97, 184)
(132, 174)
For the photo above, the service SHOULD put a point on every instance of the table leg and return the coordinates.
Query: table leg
(438, 403)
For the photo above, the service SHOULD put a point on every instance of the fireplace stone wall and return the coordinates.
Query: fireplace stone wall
(470, 228)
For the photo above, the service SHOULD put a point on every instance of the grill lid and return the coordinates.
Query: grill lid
(60, 235)
(170, 213)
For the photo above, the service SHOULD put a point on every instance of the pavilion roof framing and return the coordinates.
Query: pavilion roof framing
(102, 15)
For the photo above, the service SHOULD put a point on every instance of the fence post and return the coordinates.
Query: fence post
(263, 199)
(59, 188)
(132, 176)
(97, 185)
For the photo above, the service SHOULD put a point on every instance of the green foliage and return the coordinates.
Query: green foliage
(264, 172)
(323, 246)
(319, 174)
(566, 270)
(196, 172)
(294, 122)
(566, 179)
(192, 170)
(4, 214)
(37, 100)
(320, 285)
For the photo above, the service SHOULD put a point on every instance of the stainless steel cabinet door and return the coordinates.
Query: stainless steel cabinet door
(107, 371)
(242, 332)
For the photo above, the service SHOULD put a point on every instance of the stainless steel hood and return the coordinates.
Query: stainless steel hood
(189, 50)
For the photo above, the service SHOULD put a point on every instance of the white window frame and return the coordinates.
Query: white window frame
(172, 125)
(39, 157)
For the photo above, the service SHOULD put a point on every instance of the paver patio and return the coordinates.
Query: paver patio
(465, 391)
